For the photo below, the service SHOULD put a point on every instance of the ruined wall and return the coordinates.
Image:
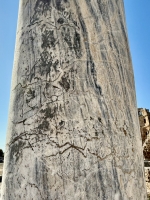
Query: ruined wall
(147, 179)
(144, 119)
(73, 121)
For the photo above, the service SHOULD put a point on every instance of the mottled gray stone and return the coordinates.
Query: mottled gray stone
(73, 130)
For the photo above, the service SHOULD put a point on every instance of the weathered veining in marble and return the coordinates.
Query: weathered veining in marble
(73, 121)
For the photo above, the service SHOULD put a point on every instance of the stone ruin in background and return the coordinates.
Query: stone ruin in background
(1, 167)
(144, 119)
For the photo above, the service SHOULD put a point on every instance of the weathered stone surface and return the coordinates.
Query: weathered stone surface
(73, 130)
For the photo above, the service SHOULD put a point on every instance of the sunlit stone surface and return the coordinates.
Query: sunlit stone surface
(73, 130)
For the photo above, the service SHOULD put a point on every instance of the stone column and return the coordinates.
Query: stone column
(73, 127)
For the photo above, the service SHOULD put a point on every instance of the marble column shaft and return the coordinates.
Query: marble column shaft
(73, 130)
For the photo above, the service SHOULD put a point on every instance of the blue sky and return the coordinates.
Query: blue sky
(137, 18)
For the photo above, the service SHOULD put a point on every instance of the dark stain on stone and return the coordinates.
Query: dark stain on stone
(49, 112)
(19, 99)
(55, 64)
(91, 71)
(59, 5)
(91, 118)
(48, 39)
(61, 123)
(96, 133)
(99, 119)
(41, 8)
(94, 74)
(117, 184)
(64, 83)
(60, 21)
(77, 45)
(44, 125)
(125, 132)
(16, 149)
(43, 66)
(44, 2)
(101, 181)
(30, 95)
(67, 36)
